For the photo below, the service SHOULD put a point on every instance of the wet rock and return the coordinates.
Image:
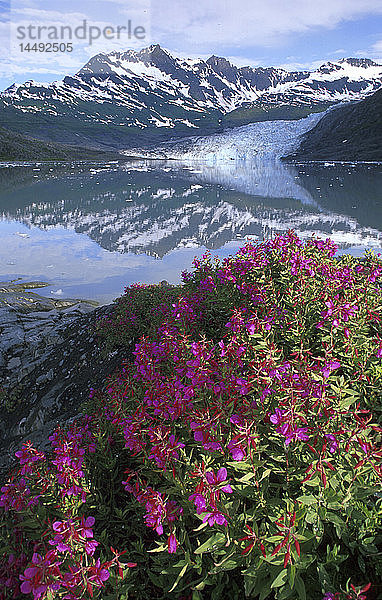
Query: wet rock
(49, 360)
(14, 363)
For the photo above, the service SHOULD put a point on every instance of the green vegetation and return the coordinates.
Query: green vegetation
(260, 112)
(14, 146)
(94, 125)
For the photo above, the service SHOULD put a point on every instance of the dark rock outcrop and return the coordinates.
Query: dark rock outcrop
(347, 133)
(49, 360)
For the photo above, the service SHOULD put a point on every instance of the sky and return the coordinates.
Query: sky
(294, 34)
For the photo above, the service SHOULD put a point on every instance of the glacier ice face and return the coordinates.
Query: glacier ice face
(264, 139)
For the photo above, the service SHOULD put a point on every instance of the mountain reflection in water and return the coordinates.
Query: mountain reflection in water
(157, 208)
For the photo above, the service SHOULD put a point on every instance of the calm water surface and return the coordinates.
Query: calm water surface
(91, 230)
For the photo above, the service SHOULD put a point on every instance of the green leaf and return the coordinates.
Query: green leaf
(241, 465)
(291, 575)
(247, 477)
(333, 518)
(32, 523)
(182, 572)
(280, 579)
(364, 492)
(347, 402)
(201, 526)
(308, 500)
(265, 474)
(300, 587)
(226, 565)
(334, 506)
(156, 580)
(249, 584)
(159, 548)
(214, 542)
(265, 591)
(273, 539)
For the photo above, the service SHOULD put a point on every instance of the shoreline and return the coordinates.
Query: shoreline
(18, 295)
(49, 360)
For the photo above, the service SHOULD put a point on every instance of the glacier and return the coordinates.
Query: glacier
(266, 139)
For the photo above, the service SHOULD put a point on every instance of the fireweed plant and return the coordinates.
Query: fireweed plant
(236, 455)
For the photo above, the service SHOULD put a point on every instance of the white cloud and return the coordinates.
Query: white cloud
(377, 47)
(242, 61)
(249, 23)
(374, 52)
(17, 61)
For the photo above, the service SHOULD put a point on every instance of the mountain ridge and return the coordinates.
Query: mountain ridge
(147, 96)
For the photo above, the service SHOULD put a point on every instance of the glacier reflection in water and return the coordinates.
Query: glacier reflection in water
(90, 230)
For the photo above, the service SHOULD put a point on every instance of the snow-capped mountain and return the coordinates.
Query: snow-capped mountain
(151, 95)
(347, 79)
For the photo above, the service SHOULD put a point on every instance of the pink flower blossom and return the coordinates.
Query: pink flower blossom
(172, 544)
(329, 367)
(215, 517)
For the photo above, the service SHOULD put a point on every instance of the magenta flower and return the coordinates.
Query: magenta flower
(90, 547)
(236, 419)
(40, 577)
(236, 450)
(85, 527)
(331, 307)
(27, 456)
(222, 348)
(220, 476)
(333, 444)
(16, 495)
(300, 433)
(32, 583)
(277, 417)
(215, 517)
(199, 502)
(172, 544)
(98, 574)
(329, 367)
(251, 327)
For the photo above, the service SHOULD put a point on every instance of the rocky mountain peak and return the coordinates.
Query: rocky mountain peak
(219, 62)
(359, 62)
(329, 67)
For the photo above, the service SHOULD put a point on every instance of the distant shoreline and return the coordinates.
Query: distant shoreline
(18, 295)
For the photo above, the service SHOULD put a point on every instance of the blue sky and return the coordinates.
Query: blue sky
(296, 34)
